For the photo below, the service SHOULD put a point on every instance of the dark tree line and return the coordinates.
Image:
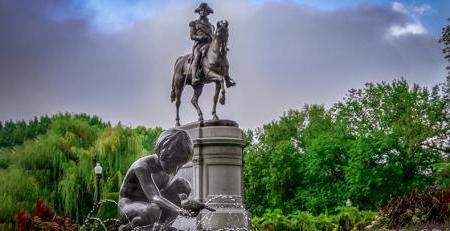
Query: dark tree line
(14, 133)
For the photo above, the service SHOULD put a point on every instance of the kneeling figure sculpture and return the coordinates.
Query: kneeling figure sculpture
(151, 196)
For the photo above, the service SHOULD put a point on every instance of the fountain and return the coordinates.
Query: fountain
(197, 165)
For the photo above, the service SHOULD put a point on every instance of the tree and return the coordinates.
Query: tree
(324, 159)
(297, 162)
(396, 130)
(271, 169)
(380, 141)
(54, 156)
(445, 39)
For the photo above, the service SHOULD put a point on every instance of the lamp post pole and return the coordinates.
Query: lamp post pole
(98, 172)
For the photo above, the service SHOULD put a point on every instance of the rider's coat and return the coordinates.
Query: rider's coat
(201, 32)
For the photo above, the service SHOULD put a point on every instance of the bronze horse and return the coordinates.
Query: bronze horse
(214, 69)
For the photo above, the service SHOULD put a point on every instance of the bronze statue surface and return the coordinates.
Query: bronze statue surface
(151, 196)
(208, 63)
(201, 31)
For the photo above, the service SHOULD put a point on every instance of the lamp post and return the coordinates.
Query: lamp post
(98, 172)
(348, 203)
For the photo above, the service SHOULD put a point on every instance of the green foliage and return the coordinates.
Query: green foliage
(325, 156)
(16, 133)
(18, 192)
(391, 125)
(343, 218)
(271, 166)
(442, 173)
(108, 209)
(379, 142)
(351, 218)
(7, 227)
(57, 165)
(445, 40)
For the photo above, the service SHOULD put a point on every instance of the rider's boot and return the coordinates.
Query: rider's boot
(229, 82)
(195, 80)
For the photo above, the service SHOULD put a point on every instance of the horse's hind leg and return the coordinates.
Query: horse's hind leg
(197, 92)
(178, 91)
(178, 103)
(216, 97)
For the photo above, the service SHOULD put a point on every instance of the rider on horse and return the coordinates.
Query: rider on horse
(202, 33)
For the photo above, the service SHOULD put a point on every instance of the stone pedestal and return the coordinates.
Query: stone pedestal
(215, 174)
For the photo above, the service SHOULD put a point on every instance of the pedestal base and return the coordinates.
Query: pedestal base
(215, 174)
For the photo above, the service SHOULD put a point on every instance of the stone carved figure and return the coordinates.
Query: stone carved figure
(150, 193)
(207, 64)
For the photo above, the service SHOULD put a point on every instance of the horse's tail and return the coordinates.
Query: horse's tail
(175, 69)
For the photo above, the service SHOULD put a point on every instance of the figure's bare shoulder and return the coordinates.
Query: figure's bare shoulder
(149, 163)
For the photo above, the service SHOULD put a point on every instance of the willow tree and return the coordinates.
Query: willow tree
(54, 161)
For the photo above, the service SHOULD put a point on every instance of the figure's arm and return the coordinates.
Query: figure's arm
(194, 36)
(150, 189)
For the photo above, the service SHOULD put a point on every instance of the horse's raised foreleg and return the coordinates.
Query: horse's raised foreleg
(213, 76)
(197, 92)
(216, 97)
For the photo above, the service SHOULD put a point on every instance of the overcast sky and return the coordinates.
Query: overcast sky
(114, 59)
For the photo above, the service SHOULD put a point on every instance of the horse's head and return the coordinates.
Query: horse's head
(222, 31)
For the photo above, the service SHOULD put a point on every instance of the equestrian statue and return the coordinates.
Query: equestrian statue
(208, 63)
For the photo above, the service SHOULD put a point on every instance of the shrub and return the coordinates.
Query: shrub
(344, 218)
(18, 191)
(44, 218)
(431, 205)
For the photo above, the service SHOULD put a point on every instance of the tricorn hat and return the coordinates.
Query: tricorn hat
(204, 6)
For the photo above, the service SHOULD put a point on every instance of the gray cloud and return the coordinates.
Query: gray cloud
(281, 55)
